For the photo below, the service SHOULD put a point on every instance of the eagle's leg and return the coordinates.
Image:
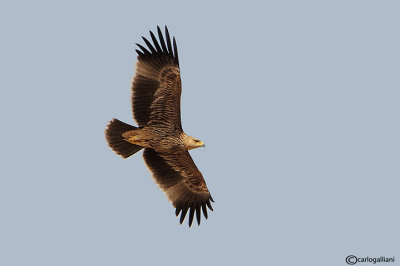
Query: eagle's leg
(137, 136)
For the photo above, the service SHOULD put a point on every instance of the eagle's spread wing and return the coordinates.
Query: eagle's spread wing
(156, 85)
(179, 178)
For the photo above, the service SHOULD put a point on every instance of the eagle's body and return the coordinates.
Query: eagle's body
(160, 141)
(156, 93)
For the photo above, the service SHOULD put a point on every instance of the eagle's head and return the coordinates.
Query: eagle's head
(192, 143)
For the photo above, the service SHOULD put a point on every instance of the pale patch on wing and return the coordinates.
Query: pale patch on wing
(146, 70)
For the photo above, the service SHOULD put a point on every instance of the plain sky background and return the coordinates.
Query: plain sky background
(296, 101)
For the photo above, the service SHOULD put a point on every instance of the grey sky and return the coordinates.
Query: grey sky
(296, 101)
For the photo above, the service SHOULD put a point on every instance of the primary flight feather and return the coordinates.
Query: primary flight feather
(156, 94)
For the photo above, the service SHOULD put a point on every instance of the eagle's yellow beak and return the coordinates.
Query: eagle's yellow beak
(201, 144)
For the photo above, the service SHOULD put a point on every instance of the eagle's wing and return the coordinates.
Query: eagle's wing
(156, 86)
(182, 182)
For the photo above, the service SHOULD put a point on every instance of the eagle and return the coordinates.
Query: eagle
(156, 94)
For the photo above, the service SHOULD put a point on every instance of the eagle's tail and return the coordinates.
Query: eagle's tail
(116, 141)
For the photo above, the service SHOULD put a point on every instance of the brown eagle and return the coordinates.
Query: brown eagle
(156, 93)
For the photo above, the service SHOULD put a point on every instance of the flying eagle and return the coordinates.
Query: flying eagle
(156, 93)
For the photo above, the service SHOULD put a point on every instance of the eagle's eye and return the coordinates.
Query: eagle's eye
(196, 140)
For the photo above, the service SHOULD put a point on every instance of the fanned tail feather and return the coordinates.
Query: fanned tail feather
(116, 141)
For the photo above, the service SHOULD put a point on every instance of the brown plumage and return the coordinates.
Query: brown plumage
(156, 94)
